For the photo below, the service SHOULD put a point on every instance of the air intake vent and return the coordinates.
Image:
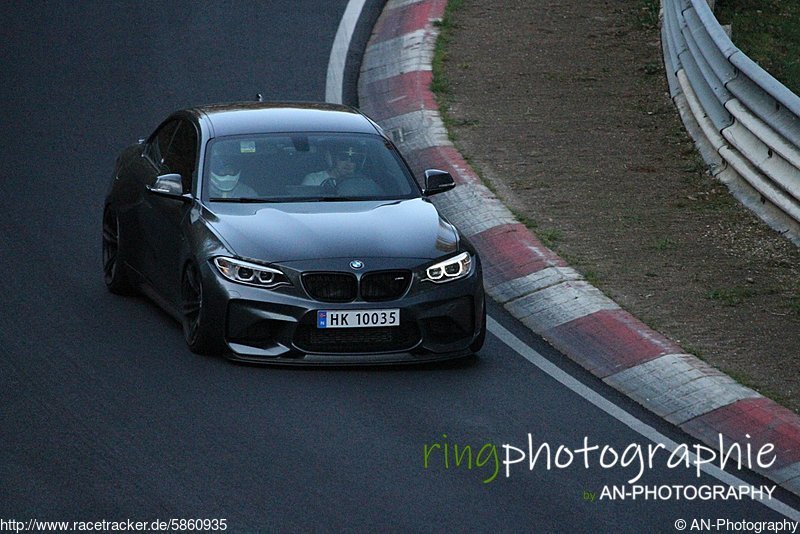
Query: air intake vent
(384, 285)
(309, 338)
(331, 287)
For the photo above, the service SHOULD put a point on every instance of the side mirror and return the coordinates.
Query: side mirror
(437, 182)
(169, 186)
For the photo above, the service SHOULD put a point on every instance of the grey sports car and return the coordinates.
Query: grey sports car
(291, 233)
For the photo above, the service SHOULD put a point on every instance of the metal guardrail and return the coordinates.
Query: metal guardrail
(747, 123)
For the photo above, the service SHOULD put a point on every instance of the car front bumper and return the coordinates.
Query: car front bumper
(438, 322)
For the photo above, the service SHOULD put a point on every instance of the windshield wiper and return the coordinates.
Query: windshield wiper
(338, 199)
(244, 200)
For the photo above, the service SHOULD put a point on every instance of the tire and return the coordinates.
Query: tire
(115, 274)
(197, 331)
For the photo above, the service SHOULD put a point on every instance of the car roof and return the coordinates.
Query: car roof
(267, 117)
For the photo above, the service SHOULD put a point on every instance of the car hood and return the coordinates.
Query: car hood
(315, 230)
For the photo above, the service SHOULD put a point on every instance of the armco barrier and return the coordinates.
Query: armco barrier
(745, 123)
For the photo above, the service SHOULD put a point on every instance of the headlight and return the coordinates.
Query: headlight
(251, 274)
(450, 269)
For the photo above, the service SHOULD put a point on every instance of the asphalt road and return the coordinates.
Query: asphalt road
(105, 414)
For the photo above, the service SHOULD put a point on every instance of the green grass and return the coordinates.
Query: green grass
(768, 31)
(665, 243)
(652, 68)
(593, 278)
(692, 349)
(439, 85)
(529, 223)
(794, 303)
(732, 296)
(647, 14)
(465, 122)
(549, 237)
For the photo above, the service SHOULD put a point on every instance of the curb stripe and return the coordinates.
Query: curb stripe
(402, 94)
(417, 130)
(618, 341)
(762, 419)
(678, 387)
(536, 281)
(473, 209)
(404, 17)
(381, 60)
(445, 158)
(396, 4)
(518, 261)
(559, 304)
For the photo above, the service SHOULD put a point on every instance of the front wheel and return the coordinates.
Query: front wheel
(196, 328)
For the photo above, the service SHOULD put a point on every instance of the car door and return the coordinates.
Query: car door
(141, 172)
(162, 218)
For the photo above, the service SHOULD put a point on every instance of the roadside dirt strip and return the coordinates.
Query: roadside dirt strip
(537, 286)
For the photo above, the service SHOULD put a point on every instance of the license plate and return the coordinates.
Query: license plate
(357, 318)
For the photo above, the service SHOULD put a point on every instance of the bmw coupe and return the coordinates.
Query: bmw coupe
(291, 233)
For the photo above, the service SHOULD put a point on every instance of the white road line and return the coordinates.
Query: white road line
(341, 44)
(618, 413)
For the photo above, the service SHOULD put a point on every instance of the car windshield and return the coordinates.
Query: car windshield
(305, 167)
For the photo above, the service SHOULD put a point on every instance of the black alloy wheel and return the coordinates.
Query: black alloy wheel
(114, 273)
(196, 328)
(192, 298)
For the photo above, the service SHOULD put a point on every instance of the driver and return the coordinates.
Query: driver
(344, 161)
(224, 179)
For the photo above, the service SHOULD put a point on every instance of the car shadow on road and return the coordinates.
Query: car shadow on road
(466, 362)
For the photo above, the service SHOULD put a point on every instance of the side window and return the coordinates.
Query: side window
(160, 142)
(181, 156)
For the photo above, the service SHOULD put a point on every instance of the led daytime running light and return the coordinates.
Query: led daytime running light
(249, 273)
(449, 270)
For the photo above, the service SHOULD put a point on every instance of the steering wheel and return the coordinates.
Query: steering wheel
(358, 186)
(328, 185)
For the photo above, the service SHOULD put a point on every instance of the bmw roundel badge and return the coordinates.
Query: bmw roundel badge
(357, 264)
